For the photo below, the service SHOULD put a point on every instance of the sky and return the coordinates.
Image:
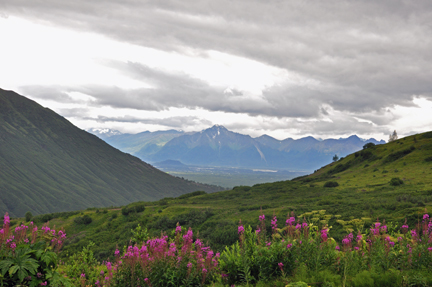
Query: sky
(289, 68)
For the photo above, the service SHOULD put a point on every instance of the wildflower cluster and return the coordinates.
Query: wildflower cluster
(28, 255)
(304, 246)
(180, 260)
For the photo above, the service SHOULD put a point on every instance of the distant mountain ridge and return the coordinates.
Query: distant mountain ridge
(217, 146)
(49, 165)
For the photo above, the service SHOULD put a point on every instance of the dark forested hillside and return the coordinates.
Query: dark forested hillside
(47, 165)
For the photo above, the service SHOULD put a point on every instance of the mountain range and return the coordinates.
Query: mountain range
(47, 165)
(217, 146)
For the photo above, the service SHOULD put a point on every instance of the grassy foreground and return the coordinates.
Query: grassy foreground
(390, 182)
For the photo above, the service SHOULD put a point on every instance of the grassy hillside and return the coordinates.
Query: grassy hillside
(363, 195)
(49, 165)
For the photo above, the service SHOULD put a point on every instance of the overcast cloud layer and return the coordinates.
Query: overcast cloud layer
(324, 68)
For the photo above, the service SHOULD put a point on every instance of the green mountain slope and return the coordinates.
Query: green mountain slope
(409, 159)
(47, 165)
(365, 192)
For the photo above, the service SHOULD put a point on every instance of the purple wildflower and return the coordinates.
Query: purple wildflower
(240, 229)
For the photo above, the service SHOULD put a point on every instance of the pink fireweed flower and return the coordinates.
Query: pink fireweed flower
(258, 231)
(298, 226)
(374, 231)
(289, 245)
(204, 270)
(430, 249)
(356, 248)
(6, 219)
(324, 234)
(290, 221)
(337, 247)
(304, 225)
(44, 283)
(82, 275)
(262, 217)
(240, 229)
(117, 252)
(274, 223)
(189, 265)
(426, 216)
(359, 237)
(268, 243)
(280, 264)
(178, 229)
(102, 272)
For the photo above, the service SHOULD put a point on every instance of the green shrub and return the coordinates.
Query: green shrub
(133, 208)
(368, 145)
(86, 219)
(84, 262)
(331, 184)
(399, 154)
(28, 216)
(340, 167)
(395, 181)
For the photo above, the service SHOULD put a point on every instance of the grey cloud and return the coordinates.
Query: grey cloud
(56, 93)
(74, 112)
(173, 122)
(366, 54)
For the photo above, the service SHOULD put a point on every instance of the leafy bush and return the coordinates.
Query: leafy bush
(86, 219)
(399, 154)
(340, 167)
(28, 256)
(395, 181)
(368, 145)
(84, 266)
(133, 208)
(28, 216)
(331, 184)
